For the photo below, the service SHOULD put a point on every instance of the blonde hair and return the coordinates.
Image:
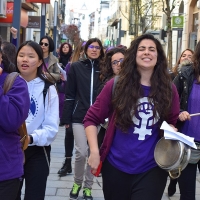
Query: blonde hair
(76, 54)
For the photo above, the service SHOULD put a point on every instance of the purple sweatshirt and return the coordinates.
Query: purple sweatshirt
(131, 152)
(191, 127)
(14, 108)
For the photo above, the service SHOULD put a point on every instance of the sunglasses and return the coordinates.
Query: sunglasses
(115, 62)
(44, 43)
(94, 47)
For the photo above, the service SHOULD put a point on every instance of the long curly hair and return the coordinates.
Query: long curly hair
(128, 89)
(196, 62)
(106, 71)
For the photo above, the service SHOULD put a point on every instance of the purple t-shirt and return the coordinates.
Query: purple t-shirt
(139, 143)
(191, 127)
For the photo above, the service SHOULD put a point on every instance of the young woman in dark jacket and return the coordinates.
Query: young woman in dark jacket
(82, 86)
(188, 86)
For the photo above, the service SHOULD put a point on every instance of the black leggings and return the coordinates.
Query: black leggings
(69, 141)
(187, 182)
(9, 189)
(118, 185)
(36, 171)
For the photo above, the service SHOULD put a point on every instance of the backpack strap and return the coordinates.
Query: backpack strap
(10, 78)
(46, 87)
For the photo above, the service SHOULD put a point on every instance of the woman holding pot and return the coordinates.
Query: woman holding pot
(188, 85)
(185, 59)
(135, 112)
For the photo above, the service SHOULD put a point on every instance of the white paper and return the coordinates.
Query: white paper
(170, 133)
(63, 72)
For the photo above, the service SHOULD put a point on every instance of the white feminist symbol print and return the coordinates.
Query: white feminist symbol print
(143, 124)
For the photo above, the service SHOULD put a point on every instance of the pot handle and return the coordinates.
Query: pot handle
(175, 175)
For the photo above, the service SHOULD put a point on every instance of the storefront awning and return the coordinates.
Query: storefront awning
(115, 22)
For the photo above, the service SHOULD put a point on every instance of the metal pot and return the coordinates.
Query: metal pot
(172, 156)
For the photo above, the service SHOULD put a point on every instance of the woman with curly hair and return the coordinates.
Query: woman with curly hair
(110, 66)
(135, 112)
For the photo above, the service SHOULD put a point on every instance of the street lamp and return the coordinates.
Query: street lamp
(55, 25)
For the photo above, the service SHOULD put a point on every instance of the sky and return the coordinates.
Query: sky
(91, 5)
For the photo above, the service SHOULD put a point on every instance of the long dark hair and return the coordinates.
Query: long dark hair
(196, 62)
(90, 41)
(7, 63)
(39, 52)
(65, 58)
(129, 90)
(10, 50)
(106, 71)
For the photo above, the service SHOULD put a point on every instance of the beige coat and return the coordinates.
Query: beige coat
(53, 68)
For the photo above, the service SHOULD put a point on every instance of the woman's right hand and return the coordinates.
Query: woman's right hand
(93, 161)
(66, 125)
(183, 116)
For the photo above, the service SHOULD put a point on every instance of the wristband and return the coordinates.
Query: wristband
(31, 139)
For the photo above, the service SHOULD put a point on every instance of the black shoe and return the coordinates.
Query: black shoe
(66, 168)
(172, 187)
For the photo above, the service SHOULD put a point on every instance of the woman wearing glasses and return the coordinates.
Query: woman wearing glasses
(82, 85)
(50, 60)
(109, 67)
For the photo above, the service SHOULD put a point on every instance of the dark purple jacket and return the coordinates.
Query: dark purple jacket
(14, 107)
(102, 109)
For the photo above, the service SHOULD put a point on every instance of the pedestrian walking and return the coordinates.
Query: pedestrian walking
(185, 59)
(13, 112)
(42, 121)
(135, 112)
(50, 60)
(82, 85)
(69, 136)
(188, 85)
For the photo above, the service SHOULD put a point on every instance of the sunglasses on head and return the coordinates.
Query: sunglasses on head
(94, 47)
(44, 43)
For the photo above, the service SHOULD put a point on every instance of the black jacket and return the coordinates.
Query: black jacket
(81, 91)
(184, 81)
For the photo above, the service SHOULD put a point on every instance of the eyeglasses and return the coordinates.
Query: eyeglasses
(44, 43)
(94, 47)
(115, 62)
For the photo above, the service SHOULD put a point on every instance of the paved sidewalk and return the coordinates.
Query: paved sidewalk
(58, 188)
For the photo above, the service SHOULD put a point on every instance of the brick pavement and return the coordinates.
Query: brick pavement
(58, 188)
